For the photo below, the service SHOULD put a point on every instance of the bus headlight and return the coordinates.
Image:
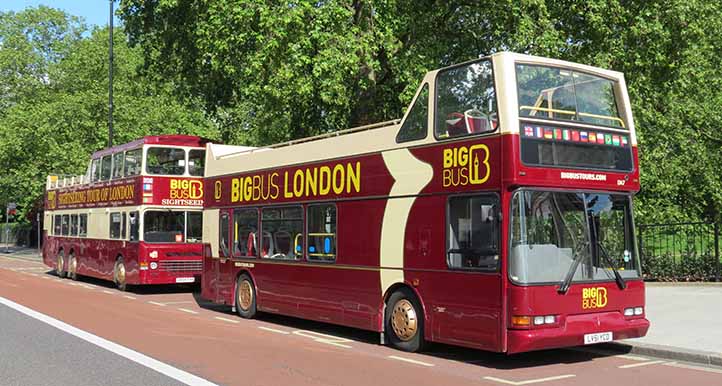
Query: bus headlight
(638, 310)
(153, 265)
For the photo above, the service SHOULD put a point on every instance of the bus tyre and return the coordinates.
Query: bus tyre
(119, 274)
(72, 267)
(245, 297)
(60, 267)
(404, 321)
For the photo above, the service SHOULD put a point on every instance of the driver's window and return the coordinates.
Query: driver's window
(466, 101)
(473, 232)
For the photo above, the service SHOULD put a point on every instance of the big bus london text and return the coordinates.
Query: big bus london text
(134, 217)
(496, 215)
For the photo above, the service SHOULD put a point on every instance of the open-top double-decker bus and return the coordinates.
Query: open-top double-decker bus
(496, 215)
(134, 217)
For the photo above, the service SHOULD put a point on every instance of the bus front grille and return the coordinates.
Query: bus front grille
(180, 265)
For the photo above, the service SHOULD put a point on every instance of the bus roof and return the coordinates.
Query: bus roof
(164, 140)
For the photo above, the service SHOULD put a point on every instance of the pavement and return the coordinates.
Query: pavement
(685, 321)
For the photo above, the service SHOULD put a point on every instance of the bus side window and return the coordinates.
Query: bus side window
(115, 224)
(95, 170)
(122, 226)
(322, 233)
(83, 225)
(105, 168)
(416, 124)
(57, 230)
(473, 236)
(118, 165)
(134, 226)
(245, 226)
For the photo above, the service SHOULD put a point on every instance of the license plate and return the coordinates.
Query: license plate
(185, 279)
(599, 337)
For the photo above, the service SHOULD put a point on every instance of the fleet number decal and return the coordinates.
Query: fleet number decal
(594, 298)
(466, 165)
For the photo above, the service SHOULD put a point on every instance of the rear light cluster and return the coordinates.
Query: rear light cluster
(634, 311)
(524, 321)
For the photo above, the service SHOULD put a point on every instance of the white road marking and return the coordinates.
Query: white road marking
(411, 361)
(691, 367)
(143, 360)
(188, 311)
(530, 381)
(88, 286)
(226, 319)
(324, 338)
(641, 364)
(274, 330)
(108, 292)
(129, 297)
(633, 358)
(157, 304)
(183, 302)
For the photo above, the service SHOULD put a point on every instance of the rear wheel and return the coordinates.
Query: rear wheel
(245, 297)
(72, 267)
(119, 274)
(60, 264)
(404, 321)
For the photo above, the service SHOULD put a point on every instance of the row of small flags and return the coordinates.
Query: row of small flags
(147, 190)
(576, 135)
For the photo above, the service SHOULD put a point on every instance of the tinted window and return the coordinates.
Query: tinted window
(245, 235)
(163, 226)
(194, 227)
(83, 225)
(118, 165)
(224, 242)
(282, 233)
(115, 225)
(163, 160)
(473, 235)
(105, 168)
(196, 162)
(73, 225)
(65, 227)
(322, 232)
(95, 170)
(132, 162)
(416, 124)
(465, 101)
(57, 224)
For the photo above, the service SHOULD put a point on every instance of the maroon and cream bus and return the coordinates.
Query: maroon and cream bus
(497, 214)
(135, 217)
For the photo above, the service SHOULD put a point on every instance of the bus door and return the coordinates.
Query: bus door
(468, 306)
(221, 264)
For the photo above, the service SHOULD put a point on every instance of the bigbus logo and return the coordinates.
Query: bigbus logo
(594, 298)
(466, 165)
(186, 189)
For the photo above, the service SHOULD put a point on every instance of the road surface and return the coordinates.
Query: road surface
(167, 335)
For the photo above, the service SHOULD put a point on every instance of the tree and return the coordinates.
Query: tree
(53, 125)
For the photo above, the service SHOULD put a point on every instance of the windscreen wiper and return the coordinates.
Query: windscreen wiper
(566, 283)
(620, 280)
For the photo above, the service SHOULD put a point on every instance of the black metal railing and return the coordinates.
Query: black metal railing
(680, 251)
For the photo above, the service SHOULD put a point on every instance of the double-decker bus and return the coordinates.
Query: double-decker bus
(497, 214)
(135, 217)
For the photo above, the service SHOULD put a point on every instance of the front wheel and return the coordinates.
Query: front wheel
(60, 268)
(119, 274)
(245, 297)
(404, 321)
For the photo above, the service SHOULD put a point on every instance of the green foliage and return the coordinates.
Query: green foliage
(54, 113)
(270, 71)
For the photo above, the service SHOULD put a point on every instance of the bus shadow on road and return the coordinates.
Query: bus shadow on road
(155, 289)
(469, 356)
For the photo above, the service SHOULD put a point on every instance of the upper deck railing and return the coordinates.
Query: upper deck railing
(65, 181)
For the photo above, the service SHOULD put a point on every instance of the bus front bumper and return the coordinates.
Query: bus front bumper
(573, 329)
